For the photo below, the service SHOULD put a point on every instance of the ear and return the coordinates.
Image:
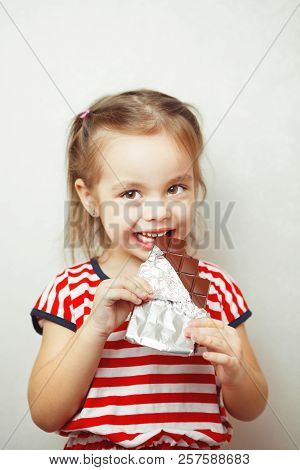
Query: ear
(84, 194)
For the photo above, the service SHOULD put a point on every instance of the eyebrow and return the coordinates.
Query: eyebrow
(125, 184)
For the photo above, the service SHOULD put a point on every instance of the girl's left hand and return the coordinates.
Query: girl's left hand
(224, 348)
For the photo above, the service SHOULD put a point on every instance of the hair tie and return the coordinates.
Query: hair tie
(85, 113)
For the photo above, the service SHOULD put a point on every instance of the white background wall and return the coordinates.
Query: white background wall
(238, 62)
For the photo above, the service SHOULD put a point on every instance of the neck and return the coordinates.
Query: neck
(114, 263)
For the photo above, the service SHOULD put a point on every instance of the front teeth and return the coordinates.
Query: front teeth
(151, 235)
(144, 236)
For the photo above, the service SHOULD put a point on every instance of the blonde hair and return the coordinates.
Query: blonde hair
(136, 112)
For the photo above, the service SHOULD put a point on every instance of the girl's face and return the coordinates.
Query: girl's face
(147, 185)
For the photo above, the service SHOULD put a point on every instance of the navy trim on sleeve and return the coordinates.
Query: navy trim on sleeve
(240, 319)
(35, 314)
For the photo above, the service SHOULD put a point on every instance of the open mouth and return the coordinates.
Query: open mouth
(147, 241)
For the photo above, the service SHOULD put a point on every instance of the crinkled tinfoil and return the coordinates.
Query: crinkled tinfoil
(160, 322)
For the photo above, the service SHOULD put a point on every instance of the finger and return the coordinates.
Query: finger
(117, 294)
(213, 342)
(135, 287)
(130, 283)
(219, 358)
(145, 284)
(206, 322)
(204, 332)
(212, 337)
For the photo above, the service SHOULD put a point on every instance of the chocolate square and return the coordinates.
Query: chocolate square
(186, 267)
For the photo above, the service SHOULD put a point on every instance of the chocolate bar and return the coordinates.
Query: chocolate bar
(179, 296)
(186, 268)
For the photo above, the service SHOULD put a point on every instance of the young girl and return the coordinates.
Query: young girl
(133, 172)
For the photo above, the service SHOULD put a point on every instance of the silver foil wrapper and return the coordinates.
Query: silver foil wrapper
(160, 322)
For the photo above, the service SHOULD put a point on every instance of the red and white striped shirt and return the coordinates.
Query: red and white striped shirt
(140, 397)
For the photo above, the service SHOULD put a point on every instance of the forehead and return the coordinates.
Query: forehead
(142, 157)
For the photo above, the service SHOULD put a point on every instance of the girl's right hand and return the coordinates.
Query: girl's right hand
(113, 303)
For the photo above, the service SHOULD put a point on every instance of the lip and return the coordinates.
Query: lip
(155, 231)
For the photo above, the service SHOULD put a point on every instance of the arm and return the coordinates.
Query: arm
(247, 399)
(57, 388)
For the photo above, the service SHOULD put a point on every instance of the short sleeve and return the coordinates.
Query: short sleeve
(234, 309)
(54, 304)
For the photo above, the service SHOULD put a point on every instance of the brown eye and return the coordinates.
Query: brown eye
(132, 191)
(179, 186)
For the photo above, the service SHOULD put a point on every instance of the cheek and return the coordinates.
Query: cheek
(182, 212)
(183, 219)
(110, 217)
(119, 218)
(129, 214)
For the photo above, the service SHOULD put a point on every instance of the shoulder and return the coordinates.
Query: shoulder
(62, 287)
(77, 273)
(226, 289)
(80, 272)
(66, 297)
(83, 280)
(221, 280)
(214, 272)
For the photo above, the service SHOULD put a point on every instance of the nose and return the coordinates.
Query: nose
(155, 210)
